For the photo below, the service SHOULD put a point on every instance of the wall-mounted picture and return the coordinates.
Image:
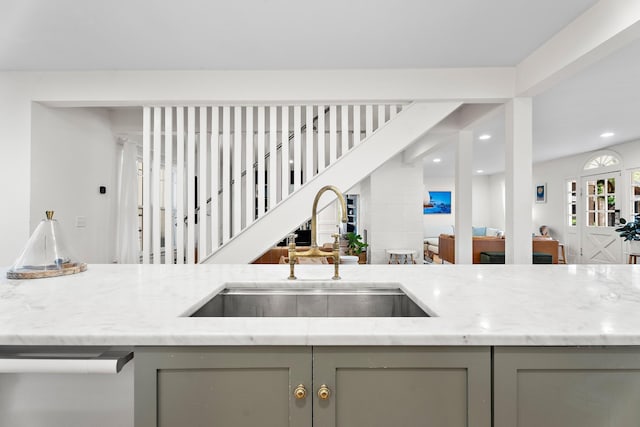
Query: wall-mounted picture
(541, 193)
(437, 202)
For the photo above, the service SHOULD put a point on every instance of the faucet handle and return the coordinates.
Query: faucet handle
(336, 237)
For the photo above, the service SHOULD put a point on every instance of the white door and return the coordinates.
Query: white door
(601, 198)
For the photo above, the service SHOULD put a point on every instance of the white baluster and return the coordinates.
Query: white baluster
(146, 185)
(381, 116)
(155, 185)
(215, 178)
(180, 175)
(284, 151)
(250, 190)
(168, 185)
(236, 206)
(203, 249)
(393, 111)
(344, 129)
(261, 160)
(368, 120)
(226, 173)
(308, 147)
(321, 139)
(356, 125)
(273, 156)
(333, 134)
(297, 147)
(191, 184)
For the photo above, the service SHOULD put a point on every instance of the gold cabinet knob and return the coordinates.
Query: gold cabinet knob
(324, 392)
(300, 392)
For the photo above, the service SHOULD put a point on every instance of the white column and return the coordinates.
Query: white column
(463, 199)
(518, 181)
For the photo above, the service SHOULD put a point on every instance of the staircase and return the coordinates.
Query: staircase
(313, 146)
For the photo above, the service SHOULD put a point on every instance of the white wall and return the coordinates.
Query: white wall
(74, 153)
(395, 209)
(555, 173)
(15, 165)
(482, 201)
(135, 88)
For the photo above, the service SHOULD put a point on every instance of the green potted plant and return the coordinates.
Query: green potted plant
(355, 245)
(630, 231)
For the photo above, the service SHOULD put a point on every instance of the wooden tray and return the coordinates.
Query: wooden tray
(70, 268)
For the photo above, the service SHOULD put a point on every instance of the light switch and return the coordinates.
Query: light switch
(81, 221)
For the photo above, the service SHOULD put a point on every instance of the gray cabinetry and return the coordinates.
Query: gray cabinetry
(403, 386)
(565, 386)
(221, 386)
(364, 386)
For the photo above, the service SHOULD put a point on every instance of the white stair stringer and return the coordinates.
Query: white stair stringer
(392, 138)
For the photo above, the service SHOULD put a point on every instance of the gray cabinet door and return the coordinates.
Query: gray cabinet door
(566, 386)
(402, 386)
(222, 386)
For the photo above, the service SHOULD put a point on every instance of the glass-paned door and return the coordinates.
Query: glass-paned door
(572, 203)
(635, 193)
(600, 243)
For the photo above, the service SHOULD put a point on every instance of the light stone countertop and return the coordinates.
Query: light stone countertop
(474, 304)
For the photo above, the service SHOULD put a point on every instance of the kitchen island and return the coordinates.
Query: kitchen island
(543, 339)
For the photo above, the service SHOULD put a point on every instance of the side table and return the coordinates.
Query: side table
(401, 256)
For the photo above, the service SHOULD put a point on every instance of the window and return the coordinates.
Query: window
(601, 161)
(601, 202)
(572, 186)
(635, 193)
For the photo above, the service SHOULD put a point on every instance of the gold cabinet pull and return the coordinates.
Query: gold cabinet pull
(324, 392)
(300, 392)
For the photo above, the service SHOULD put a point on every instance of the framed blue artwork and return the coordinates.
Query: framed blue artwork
(438, 202)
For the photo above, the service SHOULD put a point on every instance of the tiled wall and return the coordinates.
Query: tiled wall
(395, 209)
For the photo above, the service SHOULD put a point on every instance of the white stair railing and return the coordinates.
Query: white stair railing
(209, 171)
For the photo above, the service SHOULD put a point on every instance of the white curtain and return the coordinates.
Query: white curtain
(127, 243)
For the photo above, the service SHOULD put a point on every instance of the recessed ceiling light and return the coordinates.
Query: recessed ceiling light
(437, 160)
(606, 134)
(479, 171)
(484, 137)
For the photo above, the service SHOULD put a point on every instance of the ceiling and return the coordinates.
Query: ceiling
(275, 34)
(338, 34)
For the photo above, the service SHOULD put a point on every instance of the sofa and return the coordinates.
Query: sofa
(492, 244)
(431, 238)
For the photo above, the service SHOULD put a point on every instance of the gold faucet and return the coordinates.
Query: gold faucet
(314, 251)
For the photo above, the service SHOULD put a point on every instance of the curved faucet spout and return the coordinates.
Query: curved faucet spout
(314, 211)
(314, 251)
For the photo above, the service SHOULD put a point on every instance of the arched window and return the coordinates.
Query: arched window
(601, 161)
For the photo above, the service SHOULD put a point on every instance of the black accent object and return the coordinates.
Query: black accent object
(491, 257)
(542, 258)
(303, 238)
(103, 189)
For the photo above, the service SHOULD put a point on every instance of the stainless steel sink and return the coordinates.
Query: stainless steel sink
(310, 302)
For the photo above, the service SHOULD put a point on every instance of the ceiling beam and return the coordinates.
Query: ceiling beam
(604, 28)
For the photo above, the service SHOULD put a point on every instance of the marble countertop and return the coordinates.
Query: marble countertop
(474, 304)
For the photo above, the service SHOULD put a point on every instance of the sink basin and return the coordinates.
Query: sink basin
(310, 302)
